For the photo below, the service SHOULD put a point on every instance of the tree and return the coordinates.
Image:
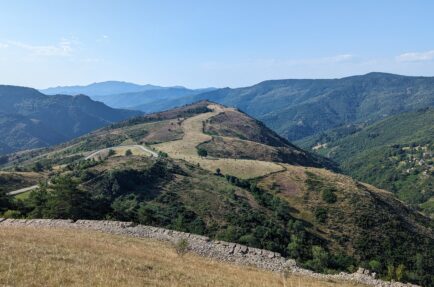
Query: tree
(320, 258)
(66, 201)
(202, 152)
(218, 172)
(375, 265)
(38, 167)
(125, 207)
(128, 152)
(5, 201)
(162, 154)
(321, 214)
(329, 196)
(111, 152)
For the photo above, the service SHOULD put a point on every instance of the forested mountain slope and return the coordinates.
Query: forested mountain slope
(30, 119)
(256, 189)
(395, 154)
(301, 108)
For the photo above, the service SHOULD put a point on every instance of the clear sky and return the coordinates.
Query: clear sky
(201, 43)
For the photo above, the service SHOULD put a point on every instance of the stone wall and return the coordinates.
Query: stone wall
(204, 246)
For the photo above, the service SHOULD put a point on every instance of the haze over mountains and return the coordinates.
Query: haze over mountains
(147, 98)
(300, 108)
(30, 119)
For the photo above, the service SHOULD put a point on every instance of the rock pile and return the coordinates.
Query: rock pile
(204, 246)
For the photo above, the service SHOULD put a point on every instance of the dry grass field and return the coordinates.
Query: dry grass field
(57, 257)
(193, 136)
(119, 151)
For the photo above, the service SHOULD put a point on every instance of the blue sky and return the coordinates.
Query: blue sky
(201, 43)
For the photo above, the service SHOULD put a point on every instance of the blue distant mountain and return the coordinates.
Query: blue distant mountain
(99, 89)
(127, 95)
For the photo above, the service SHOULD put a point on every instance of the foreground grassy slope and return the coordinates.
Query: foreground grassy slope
(56, 257)
(395, 154)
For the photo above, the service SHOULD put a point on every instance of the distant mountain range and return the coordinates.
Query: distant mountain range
(293, 108)
(99, 89)
(299, 108)
(116, 94)
(30, 119)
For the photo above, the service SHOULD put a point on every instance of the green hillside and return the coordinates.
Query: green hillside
(29, 119)
(300, 108)
(326, 221)
(395, 154)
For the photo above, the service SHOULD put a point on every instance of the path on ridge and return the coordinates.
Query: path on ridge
(193, 136)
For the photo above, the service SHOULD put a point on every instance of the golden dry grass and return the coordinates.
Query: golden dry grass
(120, 151)
(58, 257)
(193, 136)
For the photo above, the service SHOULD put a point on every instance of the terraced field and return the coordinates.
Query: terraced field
(193, 136)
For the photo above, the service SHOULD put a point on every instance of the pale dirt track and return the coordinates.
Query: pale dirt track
(193, 136)
(92, 155)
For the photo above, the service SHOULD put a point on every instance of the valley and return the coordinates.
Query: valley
(395, 153)
(225, 175)
(217, 143)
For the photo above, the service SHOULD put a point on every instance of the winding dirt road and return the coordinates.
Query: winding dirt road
(145, 149)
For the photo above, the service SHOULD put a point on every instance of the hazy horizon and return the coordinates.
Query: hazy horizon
(200, 44)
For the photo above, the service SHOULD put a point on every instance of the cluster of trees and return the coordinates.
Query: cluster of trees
(136, 195)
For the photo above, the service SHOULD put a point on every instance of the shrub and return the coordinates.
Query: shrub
(128, 152)
(375, 265)
(162, 154)
(321, 214)
(38, 167)
(329, 196)
(400, 272)
(12, 214)
(202, 152)
(390, 272)
(181, 247)
(111, 152)
(218, 171)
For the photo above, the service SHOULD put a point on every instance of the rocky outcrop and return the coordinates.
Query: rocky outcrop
(204, 246)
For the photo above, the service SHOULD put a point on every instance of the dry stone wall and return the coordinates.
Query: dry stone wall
(204, 246)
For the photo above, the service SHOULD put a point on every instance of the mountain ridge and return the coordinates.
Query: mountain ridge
(30, 119)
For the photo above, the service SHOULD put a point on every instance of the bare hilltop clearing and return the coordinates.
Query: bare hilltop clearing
(186, 149)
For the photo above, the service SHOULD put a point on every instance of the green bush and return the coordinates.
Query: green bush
(181, 247)
(202, 152)
(321, 214)
(329, 196)
(111, 152)
(375, 265)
